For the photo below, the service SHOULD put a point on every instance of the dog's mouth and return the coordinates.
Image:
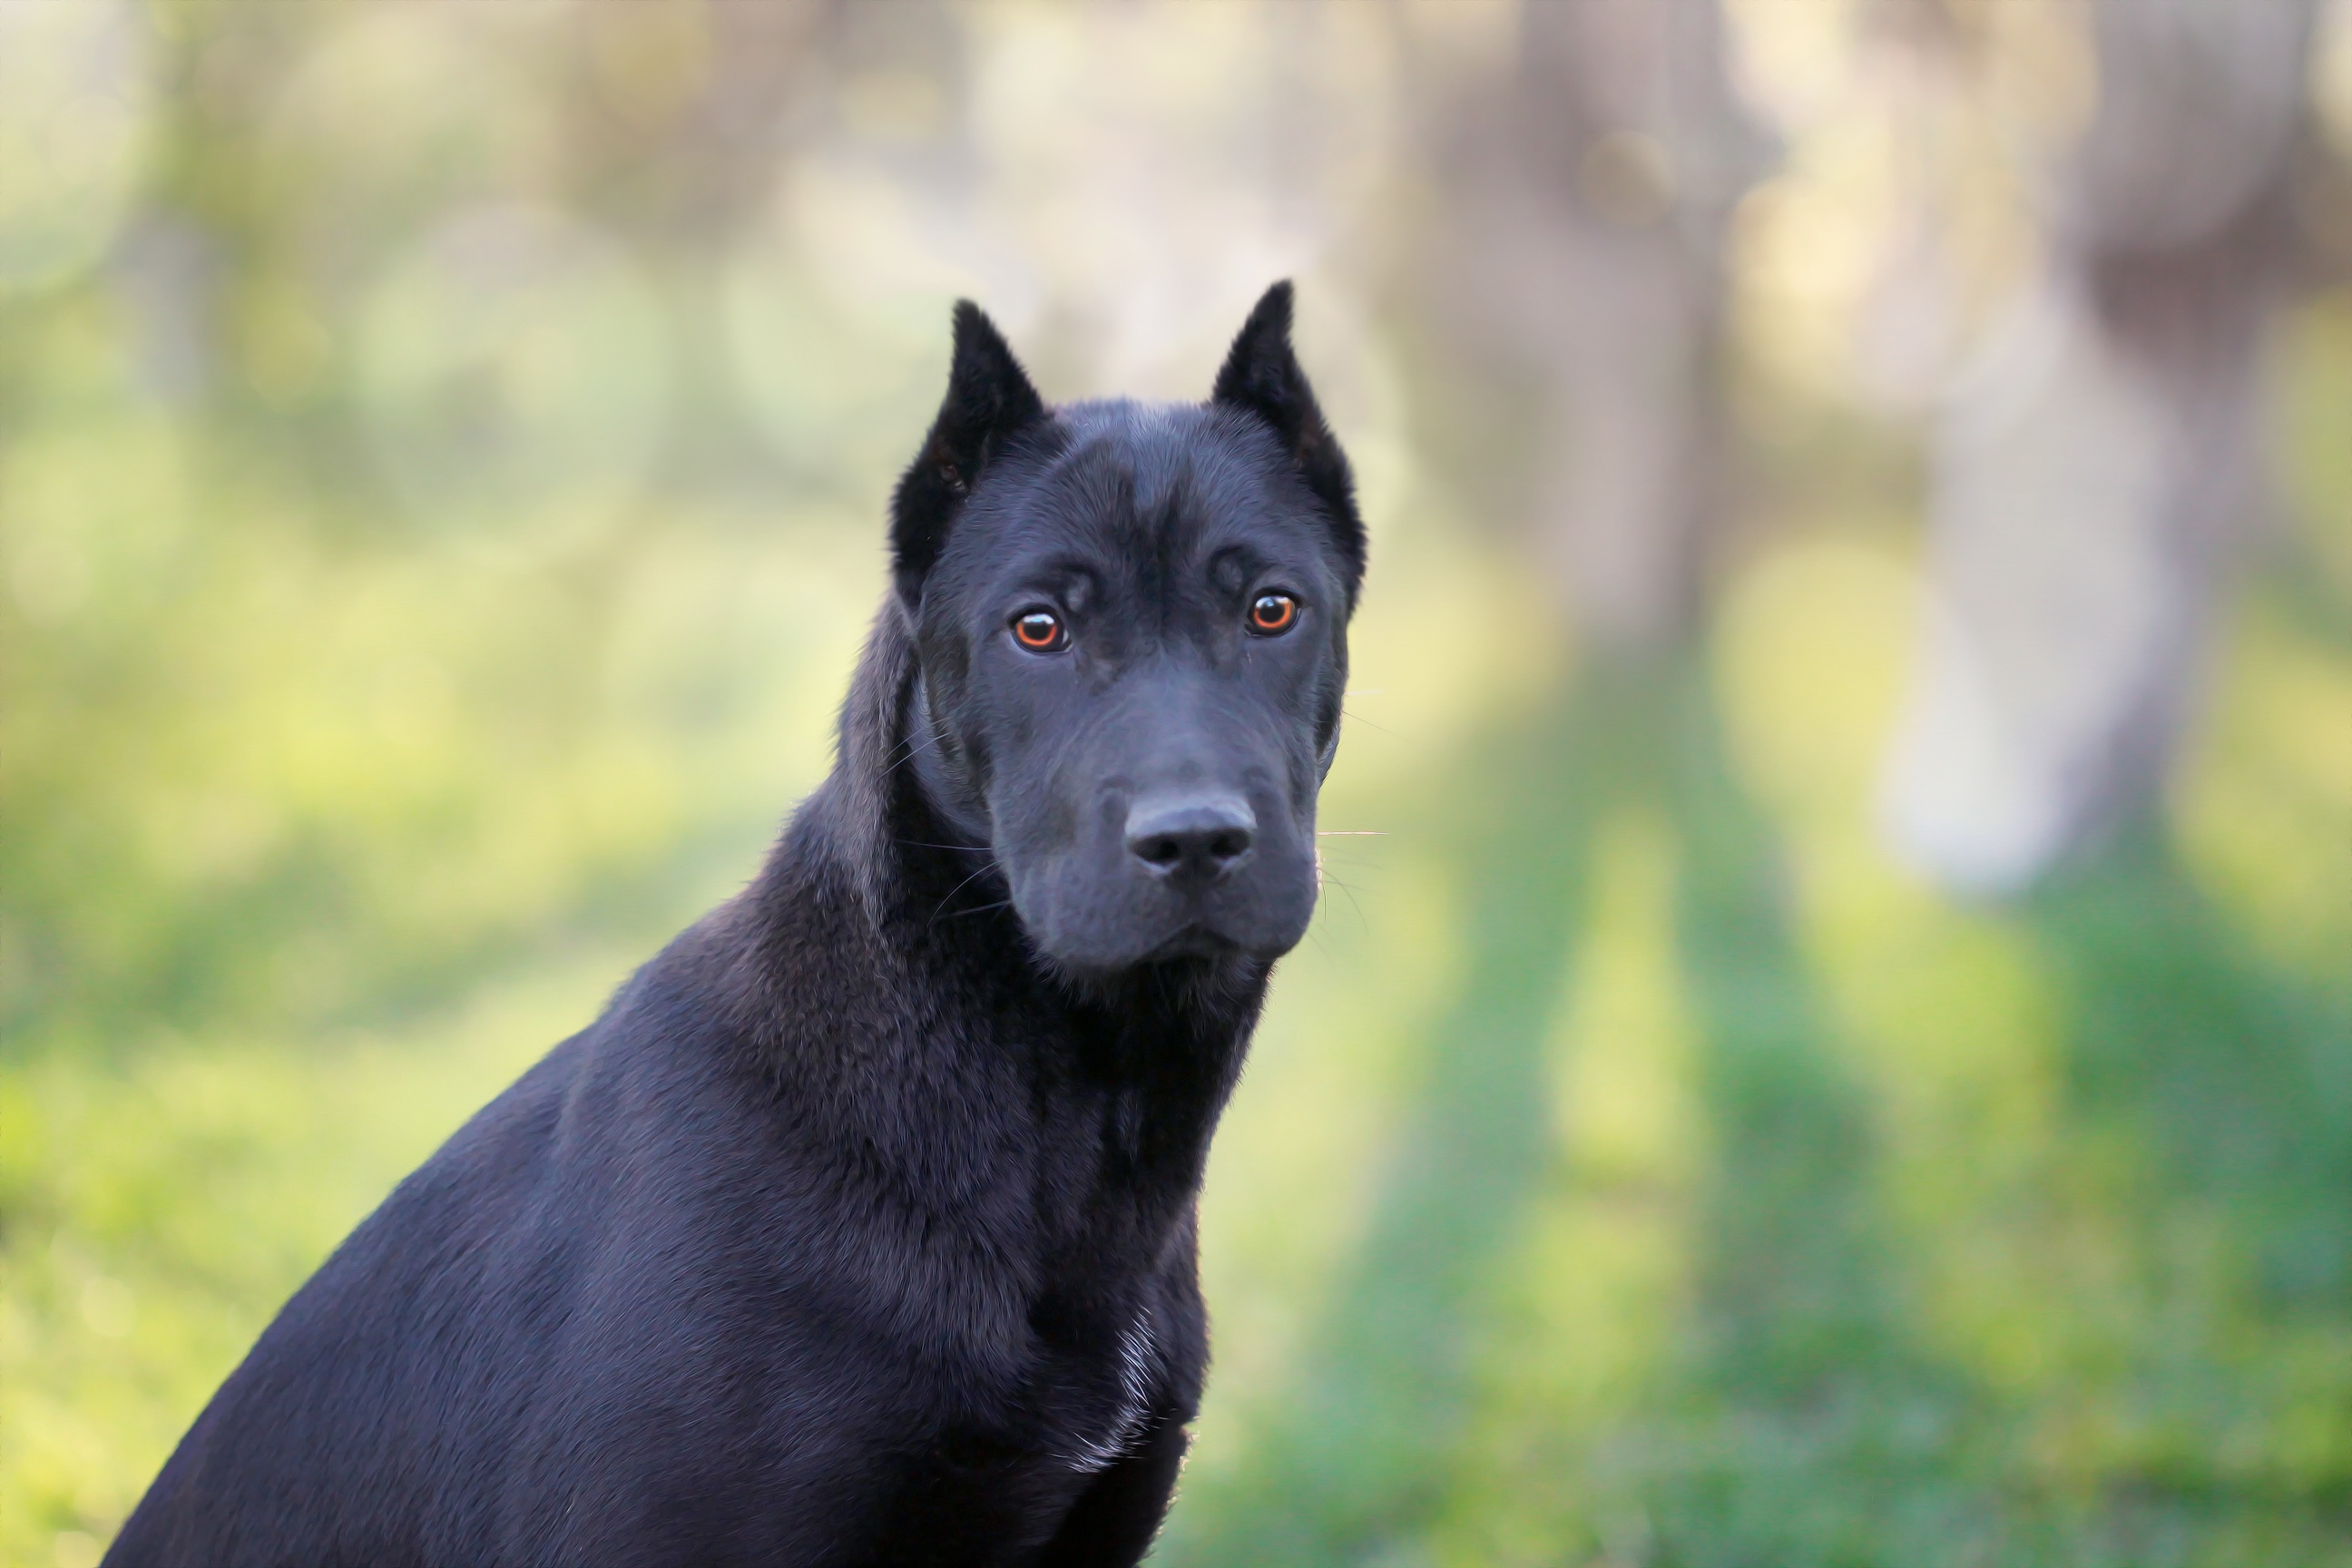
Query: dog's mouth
(1193, 940)
(1195, 954)
(1191, 944)
(1080, 921)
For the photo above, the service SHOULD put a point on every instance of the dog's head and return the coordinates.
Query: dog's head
(1131, 630)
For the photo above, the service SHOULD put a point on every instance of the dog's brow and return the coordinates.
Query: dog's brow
(1060, 574)
(1232, 565)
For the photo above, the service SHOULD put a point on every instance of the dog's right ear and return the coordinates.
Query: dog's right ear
(989, 401)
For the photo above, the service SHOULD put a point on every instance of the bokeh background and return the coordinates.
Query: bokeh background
(1829, 1037)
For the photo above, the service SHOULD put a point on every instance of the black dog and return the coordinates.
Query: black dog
(859, 1229)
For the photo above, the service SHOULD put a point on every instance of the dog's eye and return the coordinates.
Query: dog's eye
(1271, 615)
(1040, 631)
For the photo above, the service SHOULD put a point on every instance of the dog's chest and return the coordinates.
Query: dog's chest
(1103, 1343)
(1100, 1406)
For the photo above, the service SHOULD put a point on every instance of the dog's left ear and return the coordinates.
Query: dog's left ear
(1262, 376)
(989, 401)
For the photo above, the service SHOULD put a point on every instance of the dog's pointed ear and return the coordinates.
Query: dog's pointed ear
(1262, 376)
(989, 401)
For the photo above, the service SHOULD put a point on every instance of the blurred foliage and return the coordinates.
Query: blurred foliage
(440, 482)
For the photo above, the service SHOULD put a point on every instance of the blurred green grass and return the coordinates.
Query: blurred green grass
(1739, 1200)
(1635, 1167)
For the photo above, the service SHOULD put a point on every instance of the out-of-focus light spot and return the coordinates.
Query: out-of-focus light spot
(879, 243)
(2331, 75)
(1464, 33)
(1139, 228)
(1627, 178)
(1789, 57)
(515, 371)
(287, 348)
(648, 60)
(1805, 243)
(1811, 652)
(75, 98)
(106, 1307)
(842, 366)
(2263, 804)
(2041, 72)
(49, 578)
(402, 115)
(1624, 1105)
(893, 105)
(94, 516)
(2312, 388)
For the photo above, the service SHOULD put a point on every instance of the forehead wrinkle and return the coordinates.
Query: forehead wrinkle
(1141, 453)
(1228, 487)
(1163, 467)
(1119, 479)
(1146, 489)
(1095, 476)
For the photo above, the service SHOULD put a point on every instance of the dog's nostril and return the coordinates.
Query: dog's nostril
(1195, 835)
(1161, 850)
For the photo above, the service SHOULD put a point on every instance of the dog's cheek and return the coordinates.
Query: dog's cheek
(1034, 823)
(1035, 833)
(1033, 903)
(1288, 906)
(1303, 777)
(1058, 907)
(1322, 743)
(979, 766)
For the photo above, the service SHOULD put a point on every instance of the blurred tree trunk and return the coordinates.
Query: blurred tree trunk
(2093, 469)
(1585, 183)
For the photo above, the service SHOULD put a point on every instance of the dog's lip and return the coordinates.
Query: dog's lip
(1194, 940)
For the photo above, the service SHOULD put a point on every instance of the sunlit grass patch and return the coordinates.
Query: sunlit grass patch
(160, 1205)
(2265, 802)
(2104, 1126)
(1586, 1314)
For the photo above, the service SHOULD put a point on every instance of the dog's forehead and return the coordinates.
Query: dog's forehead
(1155, 456)
(1137, 478)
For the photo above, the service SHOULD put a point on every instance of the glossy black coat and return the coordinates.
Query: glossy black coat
(860, 1228)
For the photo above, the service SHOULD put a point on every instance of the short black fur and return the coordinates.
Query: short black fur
(860, 1228)
(990, 400)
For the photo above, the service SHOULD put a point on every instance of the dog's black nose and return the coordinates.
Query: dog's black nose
(1191, 838)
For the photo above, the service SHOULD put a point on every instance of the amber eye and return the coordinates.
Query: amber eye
(1040, 631)
(1273, 614)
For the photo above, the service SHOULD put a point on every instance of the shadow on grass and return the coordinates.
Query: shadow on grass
(2235, 1079)
(2214, 1093)
(1797, 1326)
(1355, 1455)
(2196, 1237)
